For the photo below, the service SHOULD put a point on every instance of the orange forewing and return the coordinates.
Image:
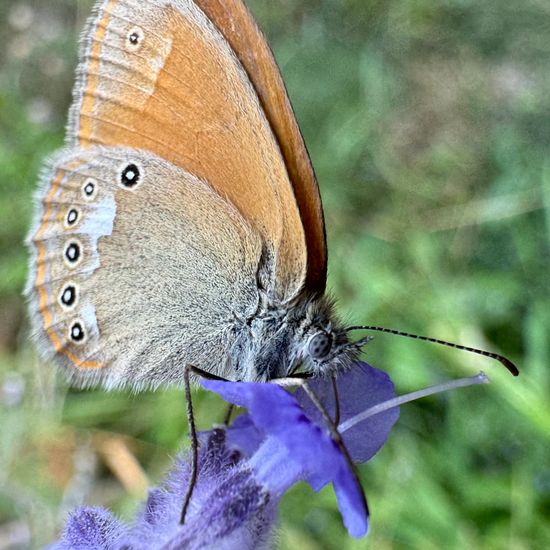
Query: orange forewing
(236, 23)
(185, 97)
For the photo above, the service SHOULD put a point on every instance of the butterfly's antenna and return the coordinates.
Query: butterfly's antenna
(505, 361)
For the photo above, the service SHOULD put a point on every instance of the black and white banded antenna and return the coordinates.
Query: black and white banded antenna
(500, 358)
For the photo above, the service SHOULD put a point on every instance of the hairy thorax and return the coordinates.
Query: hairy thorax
(280, 339)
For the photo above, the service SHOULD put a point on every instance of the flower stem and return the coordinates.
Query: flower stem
(480, 378)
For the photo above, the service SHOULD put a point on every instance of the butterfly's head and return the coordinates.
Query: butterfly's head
(321, 342)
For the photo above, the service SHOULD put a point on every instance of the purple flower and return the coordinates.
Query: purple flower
(286, 442)
(359, 389)
(245, 470)
(229, 508)
(91, 528)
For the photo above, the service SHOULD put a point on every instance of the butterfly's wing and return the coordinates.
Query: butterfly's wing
(237, 25)
(138, 268)
(158, 75)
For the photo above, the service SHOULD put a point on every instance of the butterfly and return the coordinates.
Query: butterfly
(182, 222)
(181, 226)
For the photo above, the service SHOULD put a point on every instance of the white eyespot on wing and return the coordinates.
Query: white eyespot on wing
(68, 295)
(73, 251)
(134, 39)
(77, 332)
(72, 217)
(89, 189)
(131, 175)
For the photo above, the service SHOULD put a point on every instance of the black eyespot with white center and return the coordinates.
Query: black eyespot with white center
(76, 332)
(89, 189)
(73, 252)
(319, 345)
(134, 39)
(72, 217)
(130, 175)
(68, 296)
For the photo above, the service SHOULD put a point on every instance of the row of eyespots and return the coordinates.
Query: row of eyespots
(72, 253)
(89, 192)
(68, 299)
(129, 178)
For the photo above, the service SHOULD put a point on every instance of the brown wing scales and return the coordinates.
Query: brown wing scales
(239, 28)
(183, 95)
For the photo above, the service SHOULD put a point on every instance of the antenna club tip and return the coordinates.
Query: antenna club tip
(510, 366)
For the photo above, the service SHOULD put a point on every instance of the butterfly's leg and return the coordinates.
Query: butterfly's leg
(209, 376)
(194, 444)
(227, 417)
(206, 375)
(193, 432)
(336, 437)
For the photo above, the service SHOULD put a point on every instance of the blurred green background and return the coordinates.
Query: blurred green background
(428, 122)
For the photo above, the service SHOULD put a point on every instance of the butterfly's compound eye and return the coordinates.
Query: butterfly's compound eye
(319, 345)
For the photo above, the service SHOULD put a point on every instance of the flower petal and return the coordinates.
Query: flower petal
(359, 388)
(244, 435)
(229, 508)
(295, 448)
(92, 529)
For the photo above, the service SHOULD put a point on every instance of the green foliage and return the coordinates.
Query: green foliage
(427, 123)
